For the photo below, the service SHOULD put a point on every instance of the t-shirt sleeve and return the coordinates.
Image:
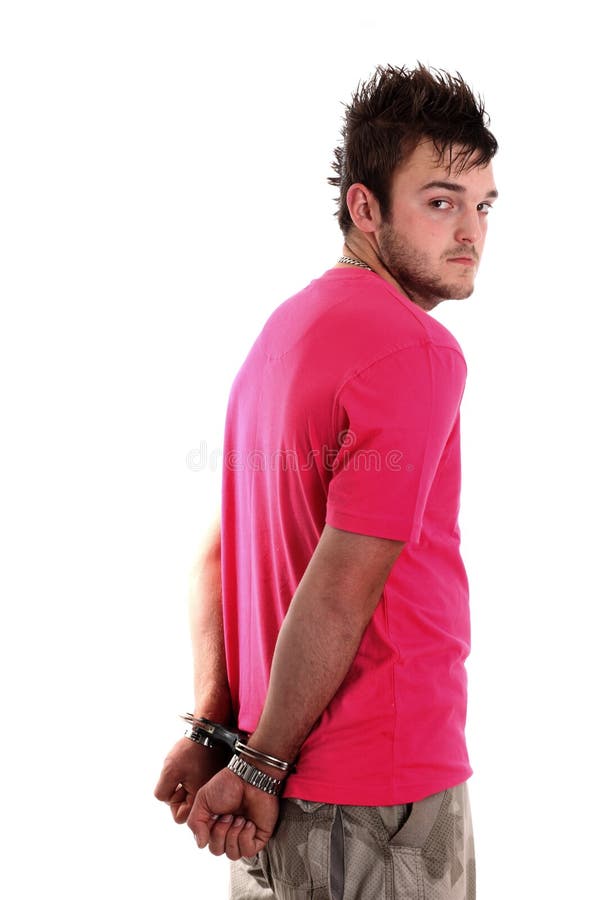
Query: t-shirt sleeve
(394, 419)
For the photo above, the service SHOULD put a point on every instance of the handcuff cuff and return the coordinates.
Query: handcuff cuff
(205, 732)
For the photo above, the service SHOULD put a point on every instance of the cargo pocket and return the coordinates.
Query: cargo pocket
(298, 852)
(428, 851)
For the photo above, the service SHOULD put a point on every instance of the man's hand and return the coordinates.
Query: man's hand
(233, 817)
(187, 767)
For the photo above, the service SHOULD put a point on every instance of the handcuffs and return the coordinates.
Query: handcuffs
(205, 732)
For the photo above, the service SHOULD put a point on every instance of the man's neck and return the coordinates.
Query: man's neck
(359, 248)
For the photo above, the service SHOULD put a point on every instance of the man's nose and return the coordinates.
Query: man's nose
(470, 228)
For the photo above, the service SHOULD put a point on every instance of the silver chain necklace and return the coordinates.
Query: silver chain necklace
(350, 261)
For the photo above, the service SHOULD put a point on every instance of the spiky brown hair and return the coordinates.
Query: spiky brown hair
(391, 113)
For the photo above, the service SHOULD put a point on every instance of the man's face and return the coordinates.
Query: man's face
(431, 241)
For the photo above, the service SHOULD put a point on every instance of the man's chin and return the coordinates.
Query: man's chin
(450, 292)
(456, 291)
(428, 295)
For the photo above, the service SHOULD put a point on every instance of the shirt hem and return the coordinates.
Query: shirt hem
(367, 794)
(395, 531)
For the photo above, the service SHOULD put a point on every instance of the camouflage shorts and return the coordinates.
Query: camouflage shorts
(416, 851)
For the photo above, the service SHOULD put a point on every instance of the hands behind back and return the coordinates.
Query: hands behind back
(187, 767)
(232, 817)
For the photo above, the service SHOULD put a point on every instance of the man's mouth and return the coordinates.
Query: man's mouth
(462, 260)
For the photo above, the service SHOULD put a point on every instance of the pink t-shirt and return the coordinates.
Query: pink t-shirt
(346, 412)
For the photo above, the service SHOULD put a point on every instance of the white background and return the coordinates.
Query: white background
(163, 187)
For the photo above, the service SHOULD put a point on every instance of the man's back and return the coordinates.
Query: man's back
(346, 413)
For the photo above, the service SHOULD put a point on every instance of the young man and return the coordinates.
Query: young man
(330, 614)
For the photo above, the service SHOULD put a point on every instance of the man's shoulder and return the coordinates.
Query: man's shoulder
(347, 319)
(352, 298)
(355, 302)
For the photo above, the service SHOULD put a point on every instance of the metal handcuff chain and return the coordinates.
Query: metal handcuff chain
(203, 731)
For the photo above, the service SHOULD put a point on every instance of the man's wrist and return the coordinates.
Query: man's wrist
(255, 776)
(272, 771)
(213, 701)
(272, 745)
(210, 733)
(215, 712)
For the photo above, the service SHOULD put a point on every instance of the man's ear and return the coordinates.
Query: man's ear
(363, 208)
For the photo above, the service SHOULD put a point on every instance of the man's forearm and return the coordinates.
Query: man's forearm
(211, 690)
(321, 634)
(314, 651)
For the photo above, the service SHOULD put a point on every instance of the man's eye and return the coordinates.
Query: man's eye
(441, 204)
(484, 207)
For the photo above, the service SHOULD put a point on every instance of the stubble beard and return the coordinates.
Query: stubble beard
(411, 268)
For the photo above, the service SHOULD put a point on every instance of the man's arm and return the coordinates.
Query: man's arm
(188, 766)
(211, 690)
(320, 635)
(317, 643)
